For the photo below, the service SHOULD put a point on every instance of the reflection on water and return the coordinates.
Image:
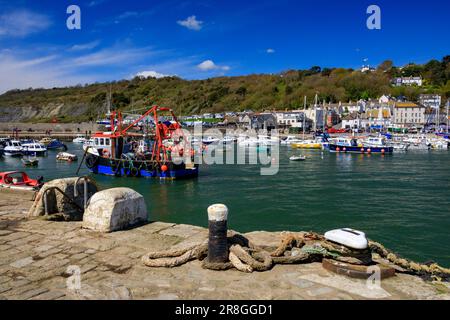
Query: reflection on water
(401, 200)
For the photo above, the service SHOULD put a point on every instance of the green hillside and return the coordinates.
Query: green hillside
(256, 92)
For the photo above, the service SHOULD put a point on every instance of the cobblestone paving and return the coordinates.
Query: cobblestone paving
(41, 259)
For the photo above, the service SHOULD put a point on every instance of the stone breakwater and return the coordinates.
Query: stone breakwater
(42, 259)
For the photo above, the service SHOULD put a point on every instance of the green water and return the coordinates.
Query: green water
(402, 201)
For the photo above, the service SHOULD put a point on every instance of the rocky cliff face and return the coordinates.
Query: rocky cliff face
(26, 113)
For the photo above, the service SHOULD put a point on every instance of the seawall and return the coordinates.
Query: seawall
(39, 259)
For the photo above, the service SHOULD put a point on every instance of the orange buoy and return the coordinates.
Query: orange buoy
(382, 151)
(369, 150)
(338, 149)
(164, 168)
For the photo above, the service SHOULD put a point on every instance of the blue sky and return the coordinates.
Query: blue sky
(201, 39)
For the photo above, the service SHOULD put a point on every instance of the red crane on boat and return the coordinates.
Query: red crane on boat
(162, 131)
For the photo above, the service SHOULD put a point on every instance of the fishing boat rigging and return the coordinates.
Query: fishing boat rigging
(161, 151)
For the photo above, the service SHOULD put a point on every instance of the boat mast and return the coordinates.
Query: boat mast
(438, 118)
(108, 102)
(304, 118)
(324, 116)
(448, 103)
(315, 113)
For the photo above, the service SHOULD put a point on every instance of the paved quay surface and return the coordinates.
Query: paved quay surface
(40, 259)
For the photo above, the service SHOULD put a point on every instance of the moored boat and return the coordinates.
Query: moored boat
(34, 149)
(120, 153)
(65, 156)
(79, 139)
(289, 140)
(351, 145)
(30, 162)
(210, 140)
(298, 158)
(13, 148)
(55, 144)
(19, 180)
(307, 144)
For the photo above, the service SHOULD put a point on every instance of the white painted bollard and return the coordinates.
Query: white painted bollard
(217, 240)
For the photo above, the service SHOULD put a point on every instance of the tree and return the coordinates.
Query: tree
(386, 66)
(288, 90)
(242, 91)
(326, 72)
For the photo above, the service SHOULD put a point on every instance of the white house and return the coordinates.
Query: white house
(384, 99)
(351, 121)
(430, 100)
(408, 114)
(408, 81)
(289, 119)
(318, 117)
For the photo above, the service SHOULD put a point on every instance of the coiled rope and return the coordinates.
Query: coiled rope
(295, 248)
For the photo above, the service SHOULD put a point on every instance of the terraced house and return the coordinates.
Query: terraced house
(409, 114)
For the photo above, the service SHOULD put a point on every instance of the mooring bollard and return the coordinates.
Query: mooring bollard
(217, 224)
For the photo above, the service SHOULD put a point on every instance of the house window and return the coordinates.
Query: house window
(102, 141)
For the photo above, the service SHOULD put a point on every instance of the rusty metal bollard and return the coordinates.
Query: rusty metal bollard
(217, 225)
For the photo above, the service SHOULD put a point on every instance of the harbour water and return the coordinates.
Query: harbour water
(400, 200)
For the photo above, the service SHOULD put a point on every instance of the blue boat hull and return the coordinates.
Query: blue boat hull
(145, 169)
(355, 149)
(34, 153)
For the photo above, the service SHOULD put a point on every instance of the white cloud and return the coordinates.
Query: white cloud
(111, 56)
(84, 46)
(95, 3)
(191, 23)
(270, 50)
(152, 74)
(41, 72)
(22, 23)
(127, 14)
(209, 65)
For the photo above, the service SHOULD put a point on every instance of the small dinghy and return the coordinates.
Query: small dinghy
(19, 181)
(298, 158)
(30, 162)
(348, 237)
(65, 156)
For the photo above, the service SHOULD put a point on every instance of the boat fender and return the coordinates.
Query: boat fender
(348, 237)
(164, 168)
(91, 161)
(105, 153)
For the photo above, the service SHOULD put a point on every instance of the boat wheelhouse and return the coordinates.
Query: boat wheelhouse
(13, 148)
(34, 149)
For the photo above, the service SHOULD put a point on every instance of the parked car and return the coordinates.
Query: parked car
(333, 130)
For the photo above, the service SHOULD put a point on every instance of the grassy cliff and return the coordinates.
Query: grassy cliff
(256, 92)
